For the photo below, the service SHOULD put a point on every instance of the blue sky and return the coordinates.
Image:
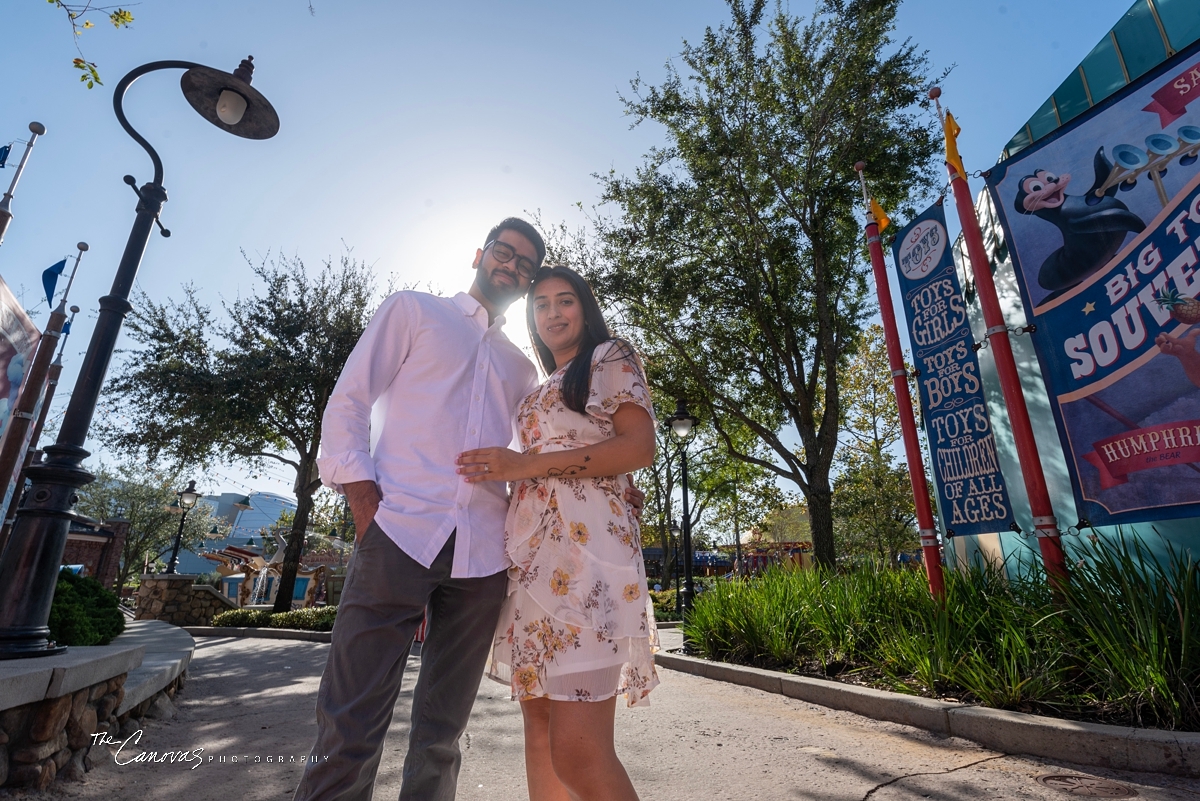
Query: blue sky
(407, 129)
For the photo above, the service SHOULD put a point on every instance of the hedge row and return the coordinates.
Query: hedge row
(318, 618)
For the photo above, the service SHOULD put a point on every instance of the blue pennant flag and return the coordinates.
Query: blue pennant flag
(4, 155)
(50, 279)
(66, 328)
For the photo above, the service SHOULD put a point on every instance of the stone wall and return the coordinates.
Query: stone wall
(53, 739)
(176, 600)
(50, 738)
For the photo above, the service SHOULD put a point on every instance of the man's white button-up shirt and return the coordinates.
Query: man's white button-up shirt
(439, 381)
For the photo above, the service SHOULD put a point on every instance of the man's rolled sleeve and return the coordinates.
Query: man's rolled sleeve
(346, 468)
(373, 365)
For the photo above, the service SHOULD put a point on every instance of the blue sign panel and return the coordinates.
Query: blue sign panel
(974, 498)
(1103, 221)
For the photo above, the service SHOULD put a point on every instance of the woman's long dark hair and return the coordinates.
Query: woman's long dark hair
(576, 383)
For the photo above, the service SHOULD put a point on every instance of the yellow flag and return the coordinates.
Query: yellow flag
(881, 218)
(952, 158)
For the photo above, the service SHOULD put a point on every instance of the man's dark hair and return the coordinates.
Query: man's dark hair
(524, 229)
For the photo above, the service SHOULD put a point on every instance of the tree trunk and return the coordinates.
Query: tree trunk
(295, 545)
(820, 512)
(668, 572)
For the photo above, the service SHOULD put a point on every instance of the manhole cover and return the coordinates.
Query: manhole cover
(1087, 786)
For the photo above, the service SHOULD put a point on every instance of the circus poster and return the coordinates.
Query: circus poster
(1102, 220)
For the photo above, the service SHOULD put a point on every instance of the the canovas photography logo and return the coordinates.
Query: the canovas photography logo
(130, 752)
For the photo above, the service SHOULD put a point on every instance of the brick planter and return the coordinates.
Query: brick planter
(176, 600)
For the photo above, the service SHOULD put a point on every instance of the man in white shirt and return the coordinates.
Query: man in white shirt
(441, 378)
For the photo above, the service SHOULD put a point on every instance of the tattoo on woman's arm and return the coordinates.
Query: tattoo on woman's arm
(572, 470)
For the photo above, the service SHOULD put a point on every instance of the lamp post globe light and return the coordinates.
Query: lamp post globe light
(184, 501)
(682, 424)
(30, 562)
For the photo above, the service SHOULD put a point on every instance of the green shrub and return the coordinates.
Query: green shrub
(84, 612)
(211, 579)
(239, 618)
(1137, 622)
(318, 618)
(1121, 646)
(664, 604)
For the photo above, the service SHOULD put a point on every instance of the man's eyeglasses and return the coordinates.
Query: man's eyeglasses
(504, 253)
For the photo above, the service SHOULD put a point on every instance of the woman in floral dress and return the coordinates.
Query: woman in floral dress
(577, 628)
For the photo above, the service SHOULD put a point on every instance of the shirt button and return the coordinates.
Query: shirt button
(458, 506)
(476, 397)
(472, 431)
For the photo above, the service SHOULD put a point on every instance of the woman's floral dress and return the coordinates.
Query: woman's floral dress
(578, 624)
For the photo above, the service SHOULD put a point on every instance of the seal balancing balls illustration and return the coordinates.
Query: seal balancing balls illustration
(1184, 309)
(1093, 227)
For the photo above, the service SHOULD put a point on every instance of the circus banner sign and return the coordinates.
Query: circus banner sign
(1103, 224)
(974, 498)
(18, 339)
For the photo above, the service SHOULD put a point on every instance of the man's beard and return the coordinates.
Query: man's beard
(500, 295)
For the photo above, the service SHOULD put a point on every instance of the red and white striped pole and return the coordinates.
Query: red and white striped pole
(908, 425)
(1044, 522)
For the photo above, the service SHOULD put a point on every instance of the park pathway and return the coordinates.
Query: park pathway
(699, 739)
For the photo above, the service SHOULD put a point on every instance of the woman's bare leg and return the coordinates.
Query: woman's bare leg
(582, 752)
(539, 772)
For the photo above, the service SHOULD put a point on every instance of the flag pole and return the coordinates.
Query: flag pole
(51, 386)
(83, 247)
(37, 129)
(1044, 522)
(12, 449)
(908, 425)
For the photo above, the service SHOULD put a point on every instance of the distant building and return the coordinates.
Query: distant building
(94, 548)
(248, 516)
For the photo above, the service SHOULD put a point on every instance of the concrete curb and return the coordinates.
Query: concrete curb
(168, 653)
(1095, 744)
(260, 633)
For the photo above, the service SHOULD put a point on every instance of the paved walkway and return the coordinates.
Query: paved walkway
(700, 739)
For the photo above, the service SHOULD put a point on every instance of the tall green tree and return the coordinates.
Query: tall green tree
(735, 250)
(143, 494)
(872, 496)
(789, 523)
(873, 508)
(249, 387)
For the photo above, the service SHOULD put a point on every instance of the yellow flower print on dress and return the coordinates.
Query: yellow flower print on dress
(560, 582)
(579, 533)
(632, 593)
(526, 678)
(615, 507)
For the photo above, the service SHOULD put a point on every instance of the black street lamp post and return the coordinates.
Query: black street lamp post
(682, 424)
(31, 559)
(674, 538)
(185, 500)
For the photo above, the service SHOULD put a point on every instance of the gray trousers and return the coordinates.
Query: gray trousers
(382, 605)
